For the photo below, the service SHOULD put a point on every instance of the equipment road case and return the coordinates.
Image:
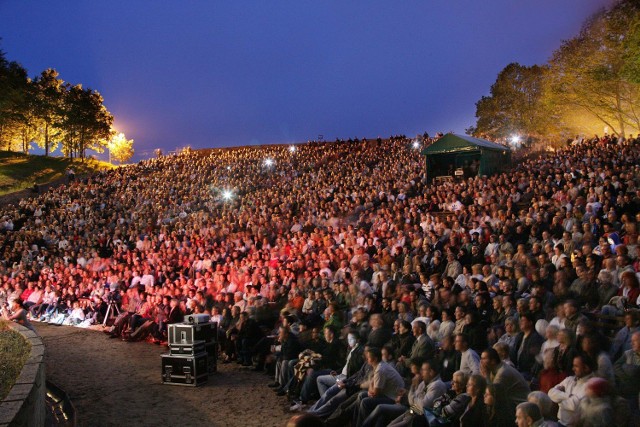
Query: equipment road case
(185, 370)
(177, 349)
(187, 333)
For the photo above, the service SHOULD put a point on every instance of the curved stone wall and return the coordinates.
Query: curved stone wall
(25, 404)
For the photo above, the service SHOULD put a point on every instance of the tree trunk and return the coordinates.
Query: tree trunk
(46, 139)
(620, 116)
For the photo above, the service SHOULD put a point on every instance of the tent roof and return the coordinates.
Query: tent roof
(452, 142)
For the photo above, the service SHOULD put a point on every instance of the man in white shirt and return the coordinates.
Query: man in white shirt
(469, 359)
(571, 390)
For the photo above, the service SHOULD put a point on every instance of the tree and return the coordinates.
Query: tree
(13, 87)
(593, 73)
(120, 148)
(515, 105)
(86, 122)
(48, 99)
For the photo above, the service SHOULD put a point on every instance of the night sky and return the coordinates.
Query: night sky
(214, 74)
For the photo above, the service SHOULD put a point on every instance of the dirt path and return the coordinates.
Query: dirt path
(114, 383)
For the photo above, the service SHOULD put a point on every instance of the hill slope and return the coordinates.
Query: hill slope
(19, 171)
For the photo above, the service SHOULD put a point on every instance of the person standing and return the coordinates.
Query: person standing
(572, 389)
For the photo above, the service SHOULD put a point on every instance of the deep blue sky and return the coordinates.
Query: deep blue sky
(214, 73)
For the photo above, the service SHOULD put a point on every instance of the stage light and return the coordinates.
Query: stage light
(292, 148)
(268, 162)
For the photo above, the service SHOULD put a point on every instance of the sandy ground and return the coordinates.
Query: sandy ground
(115, 383)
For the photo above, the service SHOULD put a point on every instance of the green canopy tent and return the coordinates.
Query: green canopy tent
(465, 156)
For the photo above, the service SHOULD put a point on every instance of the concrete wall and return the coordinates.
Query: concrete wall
(25, 404)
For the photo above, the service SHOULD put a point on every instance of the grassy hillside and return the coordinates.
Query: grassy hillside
(19, 171)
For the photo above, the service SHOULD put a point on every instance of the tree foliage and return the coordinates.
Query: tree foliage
(515, 104)
(120, 148)
(591, 82)
(50, 112)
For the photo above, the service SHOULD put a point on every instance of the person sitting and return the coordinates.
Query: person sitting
(289, 348)
(469, 359)
(422, 348)
(547, 407)
(76, 316)
(330, 358)
(550, 375)
(327, 377)
(600, 407)
(474, 413)
(627, 373)
(379, 334)
(449, 407)
(507, 378)
(528, 415)
(425, 389)
(249, 334)
(385, 384)
(402, 341)
(447, 358)
(494, 401)
(526, 347)
(342, 392)
(604, 368)
(15, 312)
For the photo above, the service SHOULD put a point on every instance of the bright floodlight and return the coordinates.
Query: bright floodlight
(515, 139)
(292, 148)
(416, 145)
(227, 195)
(268, 162)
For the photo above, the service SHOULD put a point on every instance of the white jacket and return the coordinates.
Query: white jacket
(569, 399)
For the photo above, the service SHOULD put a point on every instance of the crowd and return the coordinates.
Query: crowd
(339, 269)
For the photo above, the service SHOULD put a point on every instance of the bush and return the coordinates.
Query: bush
(14, 352)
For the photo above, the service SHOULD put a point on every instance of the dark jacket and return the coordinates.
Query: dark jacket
(332, 355)
(356, 360)
(525, 360)
(290, 348)
(379, 337)
(402, 344)
(448, 361)
(477, 334)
